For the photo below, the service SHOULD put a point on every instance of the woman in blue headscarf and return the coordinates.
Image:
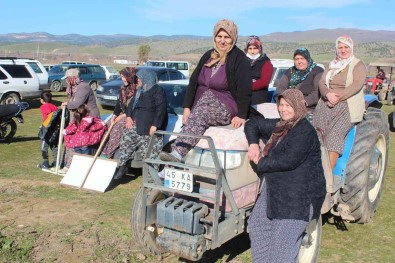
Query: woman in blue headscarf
(146, 113)
(305, 76)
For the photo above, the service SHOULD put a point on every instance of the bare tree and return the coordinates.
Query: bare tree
(143, 52)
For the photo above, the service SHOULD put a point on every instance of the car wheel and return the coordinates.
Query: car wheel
(10, 98)
(56, 86)
(93, 85)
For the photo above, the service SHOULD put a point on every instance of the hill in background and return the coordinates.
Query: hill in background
(103, 49)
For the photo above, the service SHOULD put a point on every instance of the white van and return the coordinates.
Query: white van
(182, 66)
(17, 81)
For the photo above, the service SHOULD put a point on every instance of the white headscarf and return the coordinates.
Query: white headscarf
(338, 64)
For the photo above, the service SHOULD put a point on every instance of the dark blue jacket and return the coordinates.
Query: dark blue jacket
(292, 170)
(150, 110)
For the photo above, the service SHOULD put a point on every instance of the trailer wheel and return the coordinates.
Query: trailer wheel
(366, 166)
(311, 241)
(144, 238)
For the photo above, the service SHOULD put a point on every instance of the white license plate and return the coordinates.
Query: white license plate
(178, 180)
(106, 97)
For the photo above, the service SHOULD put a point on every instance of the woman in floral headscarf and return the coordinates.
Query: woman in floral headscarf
(219, 90)
(305, 76)
(342, 103)
(293, 189)
(126, 92)
(261, 70)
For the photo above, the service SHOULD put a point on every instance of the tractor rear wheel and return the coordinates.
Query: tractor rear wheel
(144, 238)
(366, 166)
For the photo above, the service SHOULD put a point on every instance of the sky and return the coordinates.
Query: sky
(183, 17)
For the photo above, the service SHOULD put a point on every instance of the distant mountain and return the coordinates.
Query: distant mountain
(309, 36)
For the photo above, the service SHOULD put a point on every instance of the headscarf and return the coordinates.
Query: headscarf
(338, 64)
(149, 79)
(255, 41)
(297, 76)
(229, 27)
(127, 91)
(295, 99)
(72, 77)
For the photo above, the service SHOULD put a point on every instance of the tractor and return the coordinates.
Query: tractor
(206, 200)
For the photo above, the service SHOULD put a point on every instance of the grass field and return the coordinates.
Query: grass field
(43, 221)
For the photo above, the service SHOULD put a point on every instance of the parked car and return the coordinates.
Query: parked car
(37, 67)
(182, 66)
(111, 72)
(48, 67)
(17, 81)
(91, 73)
(107, 92)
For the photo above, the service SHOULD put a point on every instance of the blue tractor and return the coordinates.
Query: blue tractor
(205, 200)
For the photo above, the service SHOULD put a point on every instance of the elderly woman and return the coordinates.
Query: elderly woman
(146, 113)
(219, 90)
(305, 76)
(261, 70)
(129, 81)
(293, 189)
(342, 103)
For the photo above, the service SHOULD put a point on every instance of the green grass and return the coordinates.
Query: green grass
(105, 216)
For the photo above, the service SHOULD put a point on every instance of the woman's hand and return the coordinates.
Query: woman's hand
(120, 117)
(254, 153)
(333, 99)
(129, 123)
(185, 116)
(152, 130)
(237, 122)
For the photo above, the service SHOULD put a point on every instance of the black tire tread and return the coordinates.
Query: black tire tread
(356, 195)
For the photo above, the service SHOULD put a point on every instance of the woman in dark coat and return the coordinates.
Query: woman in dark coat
(305, 76)
(293, 189)
(146, 113)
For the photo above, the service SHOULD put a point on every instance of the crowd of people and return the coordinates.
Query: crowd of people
(225, 83)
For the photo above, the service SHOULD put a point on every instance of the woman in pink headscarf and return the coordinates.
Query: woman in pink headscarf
(342, 102)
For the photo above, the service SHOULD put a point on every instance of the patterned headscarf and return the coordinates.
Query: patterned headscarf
(295, 99)
(254, 41)
(127, 91)
(229, 27)
(338, 64)
(297, 76)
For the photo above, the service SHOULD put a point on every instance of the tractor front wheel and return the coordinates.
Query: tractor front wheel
(145, 238)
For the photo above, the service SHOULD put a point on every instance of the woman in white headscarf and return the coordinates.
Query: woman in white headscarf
(342, 103)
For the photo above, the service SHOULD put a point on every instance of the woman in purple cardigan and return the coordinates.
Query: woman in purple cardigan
(219, 90)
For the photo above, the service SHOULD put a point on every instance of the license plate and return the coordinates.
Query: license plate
(178, 180)
(106, 97)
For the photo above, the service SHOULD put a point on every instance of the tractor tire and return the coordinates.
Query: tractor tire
(7, 130)
(311, 242)
(144, 238)
(366, 166)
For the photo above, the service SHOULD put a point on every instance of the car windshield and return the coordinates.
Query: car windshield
(175, 97)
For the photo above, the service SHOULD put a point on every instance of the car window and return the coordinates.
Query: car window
(96, 69)
(2, 75)
(281, 72)
(174, 75)
(35, 67)
(111, 70)
(175, 94)
(163, 76)
(17, 71)
(83, 70)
